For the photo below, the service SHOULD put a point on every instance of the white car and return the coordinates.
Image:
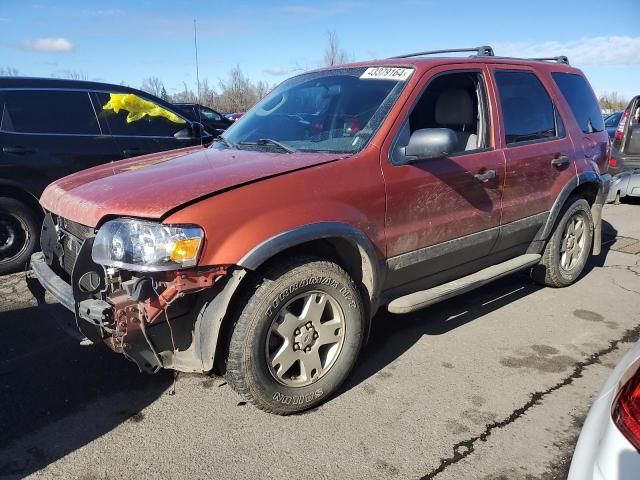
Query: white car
(609, 444)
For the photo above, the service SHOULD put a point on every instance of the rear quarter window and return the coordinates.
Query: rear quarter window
(581, 100)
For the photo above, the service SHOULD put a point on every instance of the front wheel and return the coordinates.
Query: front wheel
(19, 233)
(569, 247)
(297, 336)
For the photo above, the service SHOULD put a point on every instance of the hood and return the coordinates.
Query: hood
(153, 185)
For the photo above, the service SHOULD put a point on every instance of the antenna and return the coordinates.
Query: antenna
(195, 44)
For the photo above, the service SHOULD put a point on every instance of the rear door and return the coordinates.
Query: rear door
(540, 157)
(47, 134)
(140, 126)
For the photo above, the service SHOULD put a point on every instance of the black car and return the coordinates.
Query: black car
(625, 150)
(50, 128)
(213, 121)
(611, 123)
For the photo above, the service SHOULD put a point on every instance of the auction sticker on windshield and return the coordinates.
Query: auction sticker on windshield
(387, 73)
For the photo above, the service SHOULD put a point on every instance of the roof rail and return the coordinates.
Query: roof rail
(482, 51)
(559, 59)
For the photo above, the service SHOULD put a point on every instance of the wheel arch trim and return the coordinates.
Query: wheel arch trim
(320, 231)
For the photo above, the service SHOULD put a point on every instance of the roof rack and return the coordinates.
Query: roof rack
(559, 59)
(483, 51)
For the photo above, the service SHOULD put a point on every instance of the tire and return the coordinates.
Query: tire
(19, 234)
(566, 253)
(331, 332)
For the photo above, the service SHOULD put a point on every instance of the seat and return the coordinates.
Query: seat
(454, 110)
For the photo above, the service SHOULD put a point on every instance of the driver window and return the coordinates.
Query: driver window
(454, 101)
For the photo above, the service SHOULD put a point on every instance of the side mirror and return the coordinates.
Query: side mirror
(430, 143)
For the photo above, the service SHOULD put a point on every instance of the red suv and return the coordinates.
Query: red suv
(392, 183)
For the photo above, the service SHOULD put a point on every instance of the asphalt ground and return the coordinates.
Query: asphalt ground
(494, 384)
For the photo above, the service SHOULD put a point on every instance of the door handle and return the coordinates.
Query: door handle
(131, 152)
(560, 161)
(486, 176)
(18, 150)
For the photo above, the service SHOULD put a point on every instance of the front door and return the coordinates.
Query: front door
(443, 213)
(139, 126)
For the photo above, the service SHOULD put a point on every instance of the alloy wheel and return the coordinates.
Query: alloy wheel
(305, 338)
(573, 242)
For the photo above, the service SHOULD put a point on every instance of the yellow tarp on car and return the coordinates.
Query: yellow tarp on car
(138, 108)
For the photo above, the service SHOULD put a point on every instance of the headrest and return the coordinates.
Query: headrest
(454, 107)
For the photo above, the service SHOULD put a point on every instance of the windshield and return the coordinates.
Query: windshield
(329, 111)
(613, 120)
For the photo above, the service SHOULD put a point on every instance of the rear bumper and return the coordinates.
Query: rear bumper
(55, 285)
(626, 183)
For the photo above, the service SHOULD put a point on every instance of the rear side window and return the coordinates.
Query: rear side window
(128, 114)
(581, 100)
(527, 110)
(49, 111)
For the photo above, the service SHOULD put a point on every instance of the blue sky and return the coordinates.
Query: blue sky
(126, 41)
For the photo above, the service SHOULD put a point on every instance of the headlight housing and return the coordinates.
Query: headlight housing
(144, 246)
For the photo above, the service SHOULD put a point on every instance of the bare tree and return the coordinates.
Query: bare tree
(334, 54)
(152, 85)
(9, 72)
(612, 101)
(237, 93)
(70, 74)
(185, 96)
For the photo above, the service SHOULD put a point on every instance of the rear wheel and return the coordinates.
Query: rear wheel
(569, 247)
(19, 233)
(297, 336)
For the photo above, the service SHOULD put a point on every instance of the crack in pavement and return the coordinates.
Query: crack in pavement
(463, 449)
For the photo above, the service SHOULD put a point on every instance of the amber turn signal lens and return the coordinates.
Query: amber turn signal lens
(185, 249)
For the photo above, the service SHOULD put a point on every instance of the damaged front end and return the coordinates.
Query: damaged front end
(157, 319)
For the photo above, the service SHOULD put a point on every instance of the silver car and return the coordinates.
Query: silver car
(609, 444)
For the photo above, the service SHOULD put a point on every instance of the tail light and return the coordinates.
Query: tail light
(613, 162)
(626, 411)
(621, 124)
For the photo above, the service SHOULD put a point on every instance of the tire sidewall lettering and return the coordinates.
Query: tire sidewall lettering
(312, 281)
(297, 399)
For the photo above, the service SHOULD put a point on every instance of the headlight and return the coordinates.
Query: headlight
(145, 246)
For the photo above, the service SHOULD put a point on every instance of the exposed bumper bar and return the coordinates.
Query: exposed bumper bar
(55, 285)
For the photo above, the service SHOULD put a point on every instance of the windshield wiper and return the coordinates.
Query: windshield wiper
(224, 141)
(271, 141)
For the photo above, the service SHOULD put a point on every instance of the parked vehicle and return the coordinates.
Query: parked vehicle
(213, 122)
(234, 117)
(625, 152)
(609, 445)
(50, 128)
(611, 123)
(427, 177)
(624, 162)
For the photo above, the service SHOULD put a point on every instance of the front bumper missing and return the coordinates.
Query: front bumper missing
(132, 317)
(94, 319)
(51, 282)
